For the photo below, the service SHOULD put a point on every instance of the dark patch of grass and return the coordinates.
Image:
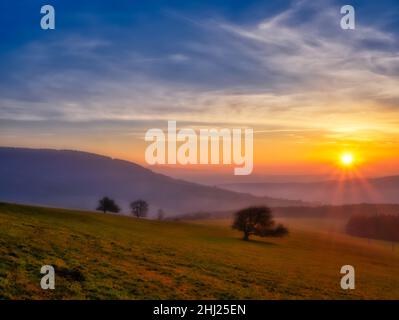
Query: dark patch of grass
(69, 274)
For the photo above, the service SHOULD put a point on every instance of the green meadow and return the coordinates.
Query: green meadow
(103, 256)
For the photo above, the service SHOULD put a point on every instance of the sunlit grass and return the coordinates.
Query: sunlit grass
(126, 258)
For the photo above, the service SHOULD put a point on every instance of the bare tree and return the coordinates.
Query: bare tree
(161, 214)
(139, 208)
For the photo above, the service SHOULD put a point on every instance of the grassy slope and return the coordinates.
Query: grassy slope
(125, 258)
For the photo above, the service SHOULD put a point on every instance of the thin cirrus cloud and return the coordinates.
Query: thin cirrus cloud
(279, 71)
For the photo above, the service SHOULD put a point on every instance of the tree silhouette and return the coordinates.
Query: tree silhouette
(106, 204)
(258, 221)
(139, 208)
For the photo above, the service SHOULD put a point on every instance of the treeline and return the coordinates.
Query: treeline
(382, 227)
(320, 211)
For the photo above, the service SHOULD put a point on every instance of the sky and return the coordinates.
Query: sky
(111, 70)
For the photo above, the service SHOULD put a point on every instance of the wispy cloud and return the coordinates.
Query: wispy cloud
(280, 71)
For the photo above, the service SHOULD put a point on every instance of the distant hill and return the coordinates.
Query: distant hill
(75, 179)
(372, 190)
(322, 211)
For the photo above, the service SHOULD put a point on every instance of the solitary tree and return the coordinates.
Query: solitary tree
(139, 208)
(258, 221)
(161, 214)
(106, 204)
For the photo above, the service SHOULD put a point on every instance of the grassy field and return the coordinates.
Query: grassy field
(99, 256)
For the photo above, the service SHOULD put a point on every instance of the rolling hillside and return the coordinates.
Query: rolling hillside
(72, 179)
(99, 256)
(350, 191)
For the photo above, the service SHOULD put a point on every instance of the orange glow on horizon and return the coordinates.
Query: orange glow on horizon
(276, 153)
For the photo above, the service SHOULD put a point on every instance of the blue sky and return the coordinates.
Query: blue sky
(125, 66)
(116, 50)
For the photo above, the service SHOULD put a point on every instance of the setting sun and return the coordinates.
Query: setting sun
(347, 159)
